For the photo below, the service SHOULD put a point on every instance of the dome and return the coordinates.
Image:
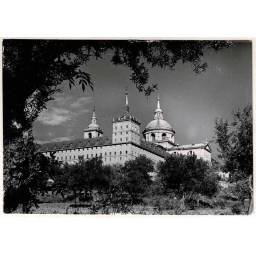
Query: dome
(93, 126)
(158, 124)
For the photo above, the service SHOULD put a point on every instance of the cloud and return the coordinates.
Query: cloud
(63, 109)
(59, 139)
(80, 102)
(54, 116)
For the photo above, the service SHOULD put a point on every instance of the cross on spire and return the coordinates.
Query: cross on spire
(158, 111)
(126, 100)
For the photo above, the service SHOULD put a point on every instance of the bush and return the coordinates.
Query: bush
(187, 174)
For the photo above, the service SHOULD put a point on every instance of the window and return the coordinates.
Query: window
(105, 153)
(74, 157)
(121, 133)
(115, 153)
(96, 155)
(90, 135)
(126, 139)
(126, 152)
(164, 136)
(70, 157)
(120, 158)
(120, 139)
(110, 153)
(153, 136)
(91, 155)
(121, 127)
(127, 126)
(126, 132)
(120, 152)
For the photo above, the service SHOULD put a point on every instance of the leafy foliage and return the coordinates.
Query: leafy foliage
(235, 143)
(25, 175)
(83, 176)
(183, 174)
(137, 176)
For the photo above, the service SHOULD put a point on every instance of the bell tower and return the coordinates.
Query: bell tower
(126, 128)
(93, 129)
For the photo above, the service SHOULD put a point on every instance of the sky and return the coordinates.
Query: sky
(190, 102)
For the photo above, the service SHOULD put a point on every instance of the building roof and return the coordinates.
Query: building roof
(205, 146)
(126, 117)
(153, 148)
(97, 142)
(158, 124)
(74, 144)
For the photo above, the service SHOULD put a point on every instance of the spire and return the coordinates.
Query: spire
(158, 101)
(93, 124)
(126, 100)
(158, 111)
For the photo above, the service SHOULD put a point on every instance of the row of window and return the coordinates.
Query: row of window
(87, 156)
(121, 127)
(120, 133)
(190, 153)
(127, 126)
(110, 159)
(121, 139)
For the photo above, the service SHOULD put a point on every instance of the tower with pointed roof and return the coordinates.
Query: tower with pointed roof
(126, 128)
(93, 129)
(158, 130)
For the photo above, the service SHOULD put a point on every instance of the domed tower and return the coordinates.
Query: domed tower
(93, 129)
(159, 131)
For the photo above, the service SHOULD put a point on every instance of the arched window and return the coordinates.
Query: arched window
(153, 136)
(164, 137)
(90, 135)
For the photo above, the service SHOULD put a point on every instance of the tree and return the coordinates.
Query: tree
(33, 70)
(84, 176)
(25, 175)
(183, 174)
(235, 143)
(236, 149)
(137, 176)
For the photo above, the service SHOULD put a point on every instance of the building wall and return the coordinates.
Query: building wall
(110, 154)
(199, 152)
(126, 131)
(94, 134)
(158, 136)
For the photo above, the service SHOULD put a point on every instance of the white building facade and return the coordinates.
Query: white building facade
(126, 142)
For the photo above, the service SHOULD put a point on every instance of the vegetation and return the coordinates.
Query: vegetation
(25, 175)
(236, 151)
(183, 174)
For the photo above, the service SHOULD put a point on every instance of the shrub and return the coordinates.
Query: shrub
(187, 174)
